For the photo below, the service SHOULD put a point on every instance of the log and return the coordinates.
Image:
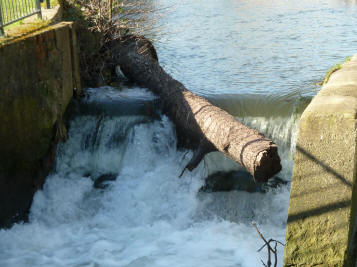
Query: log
(199, 124)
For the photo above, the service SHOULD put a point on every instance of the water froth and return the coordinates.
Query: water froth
(148, 216)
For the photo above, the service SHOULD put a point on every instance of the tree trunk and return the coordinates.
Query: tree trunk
(199, 124)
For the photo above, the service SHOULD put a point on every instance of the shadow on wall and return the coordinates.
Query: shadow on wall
(323, 209)
(321, 226)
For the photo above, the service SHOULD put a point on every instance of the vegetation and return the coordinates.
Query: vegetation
(19, 30)
(99, 22)
(94, 29)
(332, 70)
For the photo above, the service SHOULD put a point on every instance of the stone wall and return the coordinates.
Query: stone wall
(322, 210)
(39, 74)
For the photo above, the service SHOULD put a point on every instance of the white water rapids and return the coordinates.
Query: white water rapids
(264, 55)
(147, 216)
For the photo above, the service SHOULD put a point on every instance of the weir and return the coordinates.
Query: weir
(113, 197)
(322, 211)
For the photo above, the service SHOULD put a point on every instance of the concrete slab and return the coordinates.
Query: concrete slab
(322, 209)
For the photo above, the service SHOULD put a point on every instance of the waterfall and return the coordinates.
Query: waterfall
(144, 215)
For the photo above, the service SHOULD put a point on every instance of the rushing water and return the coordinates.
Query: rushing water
(148, 216)
(259, 60)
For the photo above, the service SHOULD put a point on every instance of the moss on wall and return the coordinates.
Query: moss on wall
(321, 225)
(38, 77)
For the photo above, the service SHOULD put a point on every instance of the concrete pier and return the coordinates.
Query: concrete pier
(322, 210)
(39, 74)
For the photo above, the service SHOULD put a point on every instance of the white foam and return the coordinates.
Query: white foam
(148, 216)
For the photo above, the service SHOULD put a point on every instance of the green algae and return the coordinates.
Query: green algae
(332, 70)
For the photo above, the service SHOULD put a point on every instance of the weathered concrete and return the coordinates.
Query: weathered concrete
(322, 211)
(38, 75)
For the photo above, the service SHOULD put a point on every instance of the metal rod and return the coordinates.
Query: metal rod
(17, 9)
(9, 10)
(24, 11)
(3, 8)
(20, 18)
(31, 6)
(2, 33)
(21, 7)
(12, 11)
(38, 7)
(27, 6)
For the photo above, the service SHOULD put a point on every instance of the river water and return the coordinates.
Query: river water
(259, 60)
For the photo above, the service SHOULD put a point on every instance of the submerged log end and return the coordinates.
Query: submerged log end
(267, 164)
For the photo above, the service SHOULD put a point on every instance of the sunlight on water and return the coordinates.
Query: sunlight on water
(274, 48)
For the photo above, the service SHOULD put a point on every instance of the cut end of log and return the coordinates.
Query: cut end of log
(267, 164)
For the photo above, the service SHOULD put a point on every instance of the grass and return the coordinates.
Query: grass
(332, 70)
(19, 31)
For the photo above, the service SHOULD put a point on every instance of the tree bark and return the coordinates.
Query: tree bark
(199, 124)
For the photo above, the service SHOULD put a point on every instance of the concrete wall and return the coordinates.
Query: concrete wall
(38, 76)
(322, 210)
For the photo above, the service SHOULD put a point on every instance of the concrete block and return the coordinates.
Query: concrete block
(322, 209)
(38, 76)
